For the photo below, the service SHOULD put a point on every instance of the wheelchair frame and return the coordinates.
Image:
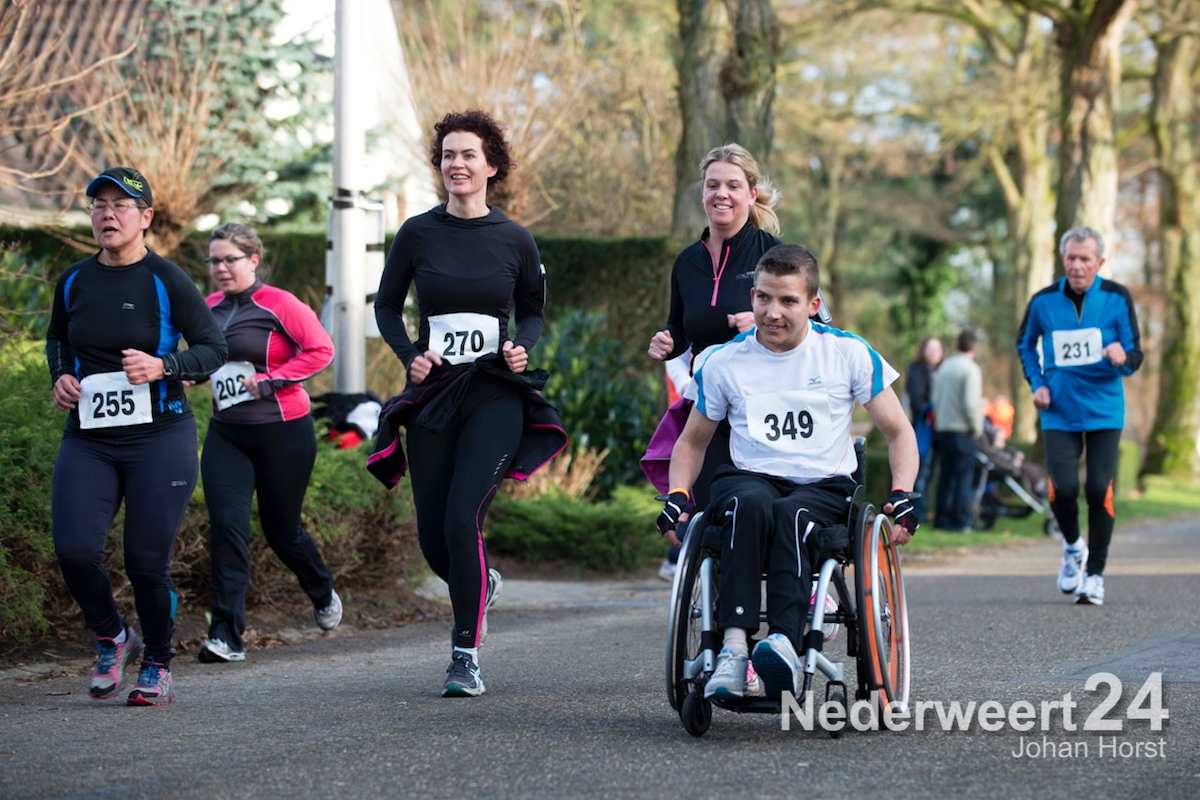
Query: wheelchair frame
(875, 618)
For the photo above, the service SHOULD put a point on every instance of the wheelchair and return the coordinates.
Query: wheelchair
(874, 615)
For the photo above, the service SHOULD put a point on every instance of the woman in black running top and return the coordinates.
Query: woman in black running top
(115, 366)
(260, 441)
(711, 282)
(472, 412)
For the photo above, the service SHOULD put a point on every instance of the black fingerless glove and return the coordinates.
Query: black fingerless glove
(904, 513)
(674, 505)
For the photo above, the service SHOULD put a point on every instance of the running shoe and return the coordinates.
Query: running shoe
(1090, 591)
(330, 616)
(462, 677)
(108, 674)
(830, 629)
(216, 651)
(1070, 574)
(666, 571)
(754, 684)
(495, 584)
(154, 686)
(728, 681)
(776, 662)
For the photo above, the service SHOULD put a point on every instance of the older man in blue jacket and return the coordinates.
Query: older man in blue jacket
(1089, 341)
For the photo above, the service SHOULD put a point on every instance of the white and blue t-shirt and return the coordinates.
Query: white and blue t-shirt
(789, 413)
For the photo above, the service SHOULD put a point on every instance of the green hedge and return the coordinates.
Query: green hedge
(616, 534)
(365, 532)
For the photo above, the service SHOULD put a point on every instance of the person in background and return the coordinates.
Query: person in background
(918, 382)
(957, 398)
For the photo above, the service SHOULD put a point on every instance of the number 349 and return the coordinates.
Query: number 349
(793, 425)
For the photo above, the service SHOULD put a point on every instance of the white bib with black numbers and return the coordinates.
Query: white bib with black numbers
(1077, 348)
(109, 400)
(462, 338)
(228, 389)
(792, 421)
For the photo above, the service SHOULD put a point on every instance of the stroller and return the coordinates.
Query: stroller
(1007, 485)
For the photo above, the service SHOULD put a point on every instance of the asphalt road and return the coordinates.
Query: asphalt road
(576, 707)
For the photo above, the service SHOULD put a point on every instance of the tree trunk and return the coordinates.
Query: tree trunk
(831, 232)
(1089, 42)
(1171, 449)
(727, 62)
(701, 107)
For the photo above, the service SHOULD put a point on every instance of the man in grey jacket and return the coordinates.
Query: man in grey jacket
(958, 417)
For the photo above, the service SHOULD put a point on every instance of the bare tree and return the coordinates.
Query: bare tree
(160, 120)
(460, 56)
(37, 72)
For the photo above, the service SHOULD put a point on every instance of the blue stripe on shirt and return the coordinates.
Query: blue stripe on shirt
(168, 335)
(876, 361)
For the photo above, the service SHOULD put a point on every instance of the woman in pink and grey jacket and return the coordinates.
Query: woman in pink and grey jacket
(261, 437)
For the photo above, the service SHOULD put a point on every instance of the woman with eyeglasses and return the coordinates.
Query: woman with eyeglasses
(115, 367)
(260, 439)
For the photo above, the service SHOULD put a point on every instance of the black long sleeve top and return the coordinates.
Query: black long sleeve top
(484, 266)
(100, 310)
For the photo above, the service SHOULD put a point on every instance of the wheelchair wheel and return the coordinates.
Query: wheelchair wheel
(695, 713)
(683, 615)
(882, 610)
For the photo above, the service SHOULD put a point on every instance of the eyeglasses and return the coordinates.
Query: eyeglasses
(228, 261)
(101, 206)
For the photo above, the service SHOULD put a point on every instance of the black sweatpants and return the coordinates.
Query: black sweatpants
(154, 472)
(275, 460)
(1063, 450)
(455, 474)
(766, 522)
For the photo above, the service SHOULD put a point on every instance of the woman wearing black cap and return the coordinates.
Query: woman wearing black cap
(112, 348)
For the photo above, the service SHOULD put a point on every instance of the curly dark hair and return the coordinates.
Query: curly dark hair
(483, 125)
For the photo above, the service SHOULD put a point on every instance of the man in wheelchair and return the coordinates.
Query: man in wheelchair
(788, 388)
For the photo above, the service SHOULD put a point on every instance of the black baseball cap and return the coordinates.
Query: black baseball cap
(127, 179)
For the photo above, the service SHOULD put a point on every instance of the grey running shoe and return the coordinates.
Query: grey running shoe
(462, 677)
(1070, 574)
(215, 651)
(1090, 591)
(776, 662)
(495, 584)
(728, 680)
(330, 616)
(108, 675)
(155, 686)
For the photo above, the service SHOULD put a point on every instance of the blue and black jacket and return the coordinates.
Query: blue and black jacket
(100, 310)
(1085, 397)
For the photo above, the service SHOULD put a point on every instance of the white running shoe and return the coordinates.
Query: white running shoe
(1070, 574)
(728, 680)
(495, 584)
(830, 629)
(1090, 591)
(776, 662)
(330, 616)
(216, 651)
(666, 571)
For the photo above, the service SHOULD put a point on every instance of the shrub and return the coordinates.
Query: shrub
(615, 534)
(605, 405)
